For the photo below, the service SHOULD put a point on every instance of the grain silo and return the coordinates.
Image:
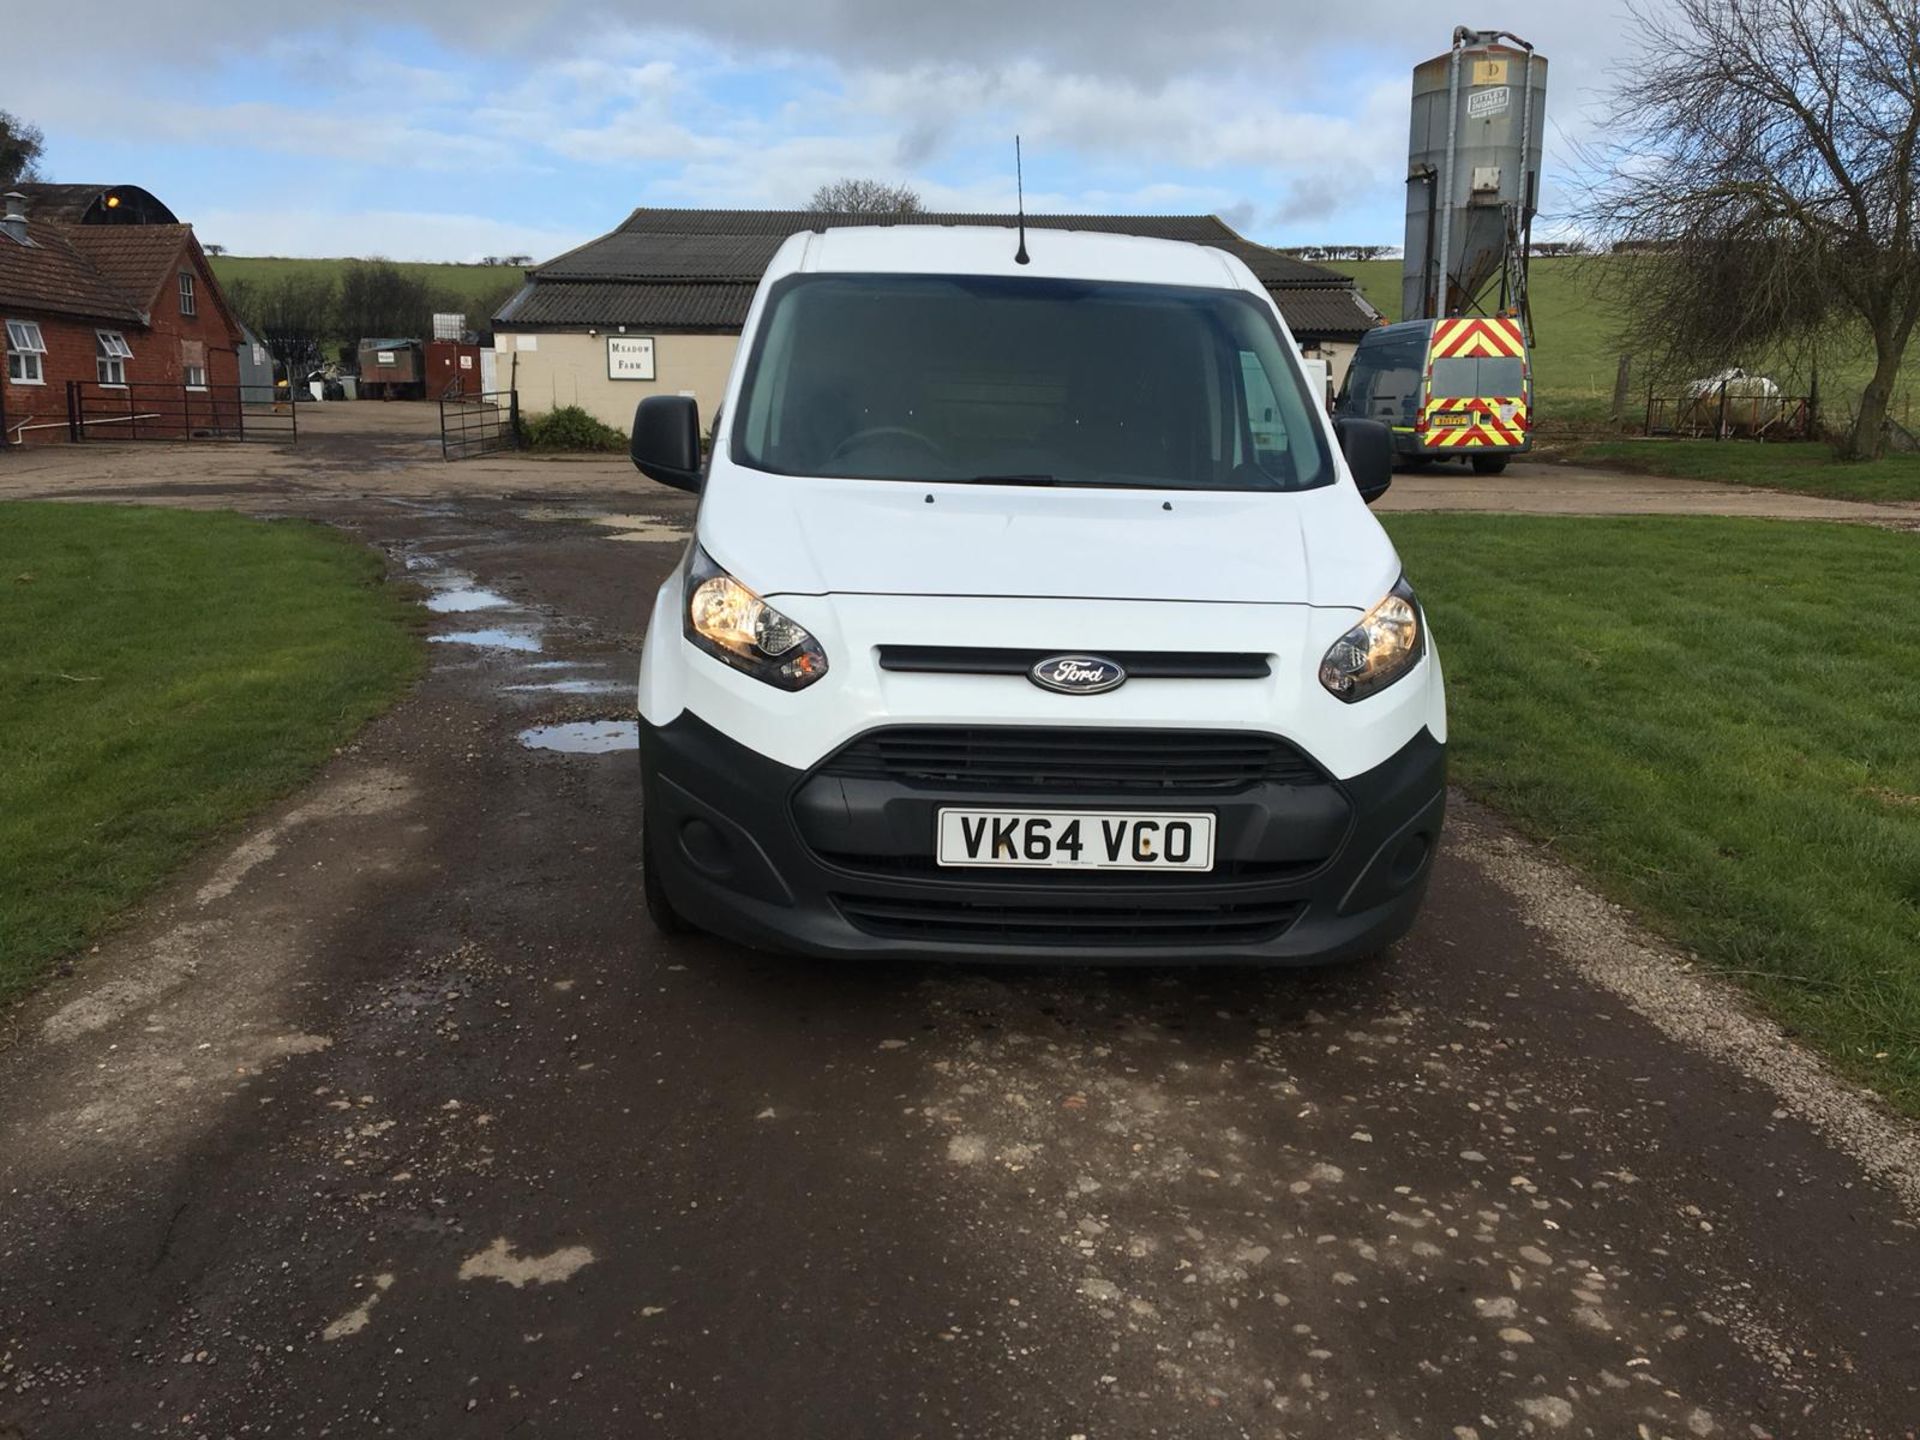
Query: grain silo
(1473, 177)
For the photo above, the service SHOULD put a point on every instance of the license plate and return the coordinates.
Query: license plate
(1455, 417)
(1076, 840)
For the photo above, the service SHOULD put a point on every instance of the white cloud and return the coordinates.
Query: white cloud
(1286, 117)
(396, 234)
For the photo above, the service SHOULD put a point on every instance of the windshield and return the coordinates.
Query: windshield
(1491, 377)
(1016, 381)
(1383, 382)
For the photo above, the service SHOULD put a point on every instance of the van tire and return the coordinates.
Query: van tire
(1489, 464)
(660, 909)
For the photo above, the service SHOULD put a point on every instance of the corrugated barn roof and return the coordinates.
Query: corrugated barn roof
(697, 269)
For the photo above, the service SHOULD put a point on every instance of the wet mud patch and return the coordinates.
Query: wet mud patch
(525, 641)
(583, 737)
(570, 687)
(464, 599)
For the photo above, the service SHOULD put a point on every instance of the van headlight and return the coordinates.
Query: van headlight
(1385, 645)
(735, 626)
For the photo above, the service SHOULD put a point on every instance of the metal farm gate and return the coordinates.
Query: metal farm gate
(484, 424)
(157, 410)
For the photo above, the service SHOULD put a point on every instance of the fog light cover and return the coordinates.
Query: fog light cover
(731, 623)
(1386, 644)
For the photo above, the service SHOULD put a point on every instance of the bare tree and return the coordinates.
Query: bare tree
(21, 145)
(850, 196)
(292, 315)
(1763, 163)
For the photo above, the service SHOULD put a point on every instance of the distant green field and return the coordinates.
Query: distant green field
(1576, 348)
(469, 282)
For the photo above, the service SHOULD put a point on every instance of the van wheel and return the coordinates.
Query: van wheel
(1489, 464)
(660, 909)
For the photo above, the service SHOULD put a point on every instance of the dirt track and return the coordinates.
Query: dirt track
(394, 1116)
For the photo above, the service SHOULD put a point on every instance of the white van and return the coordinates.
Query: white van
(1033, 612)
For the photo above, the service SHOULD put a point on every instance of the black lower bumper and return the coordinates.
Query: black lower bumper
(1308, 872)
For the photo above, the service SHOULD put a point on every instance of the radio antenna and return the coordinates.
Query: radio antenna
(1020, 256)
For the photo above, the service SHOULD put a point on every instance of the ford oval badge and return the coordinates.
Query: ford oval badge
(1078, 674)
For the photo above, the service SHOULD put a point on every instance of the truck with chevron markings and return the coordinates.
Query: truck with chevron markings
(1455, 389)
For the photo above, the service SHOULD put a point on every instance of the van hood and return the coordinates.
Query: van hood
(799, 535)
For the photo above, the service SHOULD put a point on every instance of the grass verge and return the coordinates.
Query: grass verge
(1810, 469)
(163, 674)
(1714, 719)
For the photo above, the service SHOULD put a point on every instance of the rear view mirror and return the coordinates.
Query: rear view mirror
(666, 440)
(1368, 446)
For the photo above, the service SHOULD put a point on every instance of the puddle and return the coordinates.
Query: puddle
(565, 664)
(572, 687)
(491, 639)
(421, 562)
(465, 598)
(584, 737)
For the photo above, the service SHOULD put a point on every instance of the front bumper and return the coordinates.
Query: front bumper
(1310, 869)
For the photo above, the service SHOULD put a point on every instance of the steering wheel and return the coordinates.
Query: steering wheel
(877, 432)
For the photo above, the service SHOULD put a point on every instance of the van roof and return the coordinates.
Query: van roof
(990, 250)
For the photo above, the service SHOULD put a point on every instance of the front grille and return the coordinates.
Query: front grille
(1054, 926)
(1139, 664)
(987, 757)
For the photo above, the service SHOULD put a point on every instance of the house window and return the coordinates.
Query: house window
(196, 377)
(186, 293)
(24, 349)
(111, 353)
(193, 364)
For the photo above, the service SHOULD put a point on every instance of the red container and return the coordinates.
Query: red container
(452, 369)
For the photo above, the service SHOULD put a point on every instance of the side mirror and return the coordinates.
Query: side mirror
(1368, 446)
(666, 440)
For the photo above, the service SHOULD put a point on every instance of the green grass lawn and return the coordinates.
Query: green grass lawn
(1811, 469)
(1576, 342)
(1715, 719)
(162, 675)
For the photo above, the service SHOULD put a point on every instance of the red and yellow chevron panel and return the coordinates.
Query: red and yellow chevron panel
(1474, 336)
(1475, 423)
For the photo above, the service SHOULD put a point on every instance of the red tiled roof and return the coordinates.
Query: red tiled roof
(135, 259)
(52, 275)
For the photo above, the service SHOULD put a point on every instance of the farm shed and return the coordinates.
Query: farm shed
(657, 306)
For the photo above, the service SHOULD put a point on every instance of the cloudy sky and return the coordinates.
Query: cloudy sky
(446, 131)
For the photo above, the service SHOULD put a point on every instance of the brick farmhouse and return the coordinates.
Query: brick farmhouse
(114, 324)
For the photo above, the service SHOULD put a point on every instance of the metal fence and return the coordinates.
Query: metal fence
(1726, 416)
(485, 424)
(155, 410)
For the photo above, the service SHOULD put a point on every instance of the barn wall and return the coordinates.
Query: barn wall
(570, 368)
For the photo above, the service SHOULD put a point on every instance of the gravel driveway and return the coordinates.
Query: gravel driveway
(394, 1116)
